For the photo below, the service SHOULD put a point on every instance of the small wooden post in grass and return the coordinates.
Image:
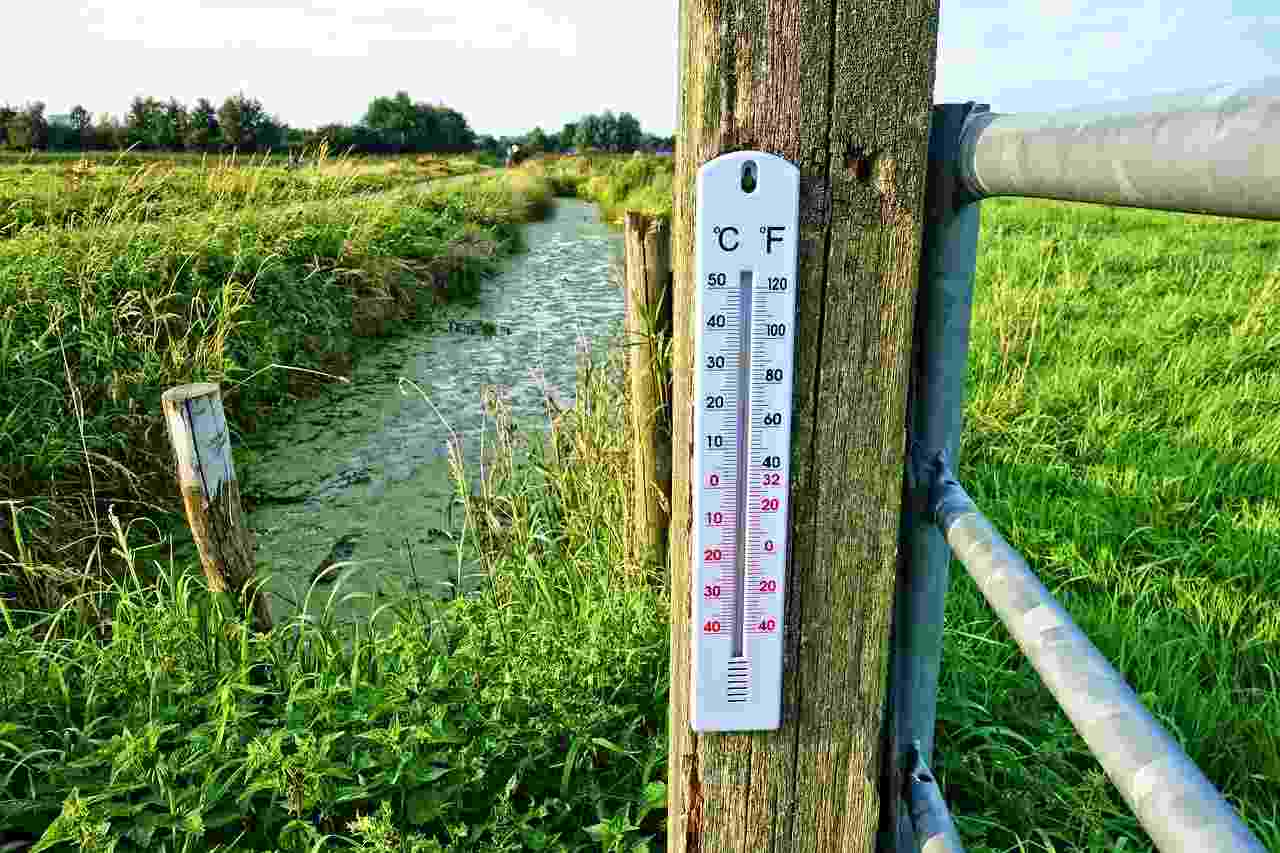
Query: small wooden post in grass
(648, 328)
(207, 479)
(842, 89)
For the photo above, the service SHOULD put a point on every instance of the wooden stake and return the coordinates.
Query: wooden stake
(207, 480)
(648, 328)
(843, 89)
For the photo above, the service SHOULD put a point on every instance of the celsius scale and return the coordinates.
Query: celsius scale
(746, 235)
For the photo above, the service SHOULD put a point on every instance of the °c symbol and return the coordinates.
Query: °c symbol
(723, 232)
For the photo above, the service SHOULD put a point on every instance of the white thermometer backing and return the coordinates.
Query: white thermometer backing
(746, 235)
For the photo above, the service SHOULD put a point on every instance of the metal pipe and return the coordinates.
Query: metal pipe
(1172, 799)
(930, 818)
(940, 364)
(1211, 151)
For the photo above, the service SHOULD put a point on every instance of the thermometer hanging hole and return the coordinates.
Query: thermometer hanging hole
(749, 180)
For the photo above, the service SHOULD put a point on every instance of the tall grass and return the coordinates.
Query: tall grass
(615, 183)
(529, 715)
(93, 193)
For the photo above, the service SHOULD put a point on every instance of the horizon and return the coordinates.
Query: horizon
(511, 66)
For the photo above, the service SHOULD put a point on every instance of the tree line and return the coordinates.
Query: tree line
(604, 132)
(393, 124)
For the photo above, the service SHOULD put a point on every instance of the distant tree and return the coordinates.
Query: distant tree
(660, 143)
(174, 122)
(455, 134)
(62, 135)
(568, 135)
(396, 118)
(142, 122)
(231, 121)
(202, 126)
(28, 128)
(7, 114)
(272, 133)
(109, 132)
(82, 123)
(587, 134)
(608, 131)
(536, 140)
(628, 136)
(239, 118)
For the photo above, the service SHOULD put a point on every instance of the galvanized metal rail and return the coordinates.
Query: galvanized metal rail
(1212, 151)
(1209, 151)
(1173, 800)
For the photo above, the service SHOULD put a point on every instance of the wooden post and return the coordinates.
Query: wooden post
(207, 479)
(648, 327)
(843, 89)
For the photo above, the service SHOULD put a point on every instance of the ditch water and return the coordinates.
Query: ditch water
(365, 466)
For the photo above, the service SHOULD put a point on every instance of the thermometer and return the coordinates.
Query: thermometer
(746, 234)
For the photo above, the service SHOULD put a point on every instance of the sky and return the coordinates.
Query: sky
(510, 65)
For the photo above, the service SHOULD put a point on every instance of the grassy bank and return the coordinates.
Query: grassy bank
(614, 183)
(96, 322)
(90, 193)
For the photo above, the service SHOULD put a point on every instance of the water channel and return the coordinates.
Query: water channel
(364, 466)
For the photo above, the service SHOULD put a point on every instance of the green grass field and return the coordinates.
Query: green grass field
(1122, 429)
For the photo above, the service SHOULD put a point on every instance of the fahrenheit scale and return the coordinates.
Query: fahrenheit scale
(746, 241)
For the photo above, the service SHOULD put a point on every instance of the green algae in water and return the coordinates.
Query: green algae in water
(366, 465)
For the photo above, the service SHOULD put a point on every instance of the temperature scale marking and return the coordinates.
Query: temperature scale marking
(746, 247)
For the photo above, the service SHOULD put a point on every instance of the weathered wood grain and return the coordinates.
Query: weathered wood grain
(647, 243)
(206, 477)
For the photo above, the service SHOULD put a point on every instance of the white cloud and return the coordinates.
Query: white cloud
(328, 27)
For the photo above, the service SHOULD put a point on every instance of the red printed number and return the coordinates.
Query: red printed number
(769, 504)
(712, 627)
(712, 554)
(715, 518)
(768, 545)
(768, 585)
(713, 480)
(767, 625)
(712, 591)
